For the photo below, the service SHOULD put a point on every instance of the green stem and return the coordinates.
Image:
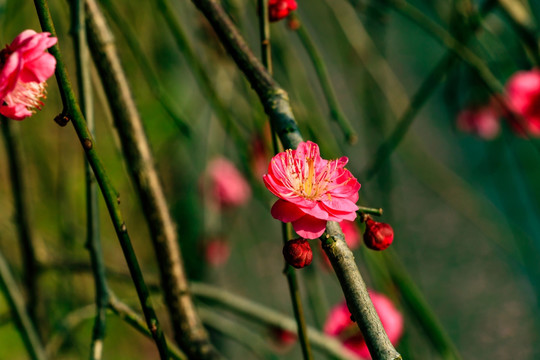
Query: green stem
(316, 295)
(276, 104)
(292, 280)
(20, 316)
(195, 64)
(370, 211)
(71, 112)
(458, 48)
(93, 239)
(67, 328)
(188, 330)
(125, 313)
(237, 332)
(324, 79)
(268, 317)
(523, 27)
(419, 307)
(24, 230)
(146, 68)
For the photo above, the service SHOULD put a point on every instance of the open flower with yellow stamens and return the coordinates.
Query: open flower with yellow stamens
(311, 190)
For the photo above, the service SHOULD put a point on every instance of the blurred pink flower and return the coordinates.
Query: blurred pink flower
(339, 324)
(229, 187)
(351, 233)
(523, 91)
(216, 251)
(259, 157)
(279, 9)
(481, 121)
(352, 238)
(312, 190)
(282, 339)
(25, 66)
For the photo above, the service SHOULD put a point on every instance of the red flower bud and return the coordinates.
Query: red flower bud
(378, 235)
(279, 9)
(298, 253)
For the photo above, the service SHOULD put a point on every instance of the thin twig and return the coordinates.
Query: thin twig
(201, 75)
(418, 306)
(188, 329)
(370, 211)
(268, 317)
(125, 313)
(93, 238)
(417, 102)
(71, 112)
(237, 332)
(18, 311)
(24, 230)
(146, 68)
(336, 113)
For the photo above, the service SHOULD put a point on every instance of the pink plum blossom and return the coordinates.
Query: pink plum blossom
(339, 324)
(481, 121)
(25, 68)
(228, 186)
(523, 91)
(311, 190)
(216, 252)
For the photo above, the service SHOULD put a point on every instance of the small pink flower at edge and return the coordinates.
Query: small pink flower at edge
(311, 190)
(25, 68)
(229, 187)
(523, 91)
(339, 324)
(481, 121)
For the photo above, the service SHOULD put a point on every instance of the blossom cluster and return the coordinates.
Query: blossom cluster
(520, 106)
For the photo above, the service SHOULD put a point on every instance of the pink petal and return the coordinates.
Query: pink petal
(339, 206)
(338, 319)
(21, 38)
(275, 186)
(316, 211)
(15, 112)
(39, 69)
(285, 211)
(10, 74)
(309, 227)
(32, 46)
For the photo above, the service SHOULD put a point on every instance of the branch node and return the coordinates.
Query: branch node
(62, 119)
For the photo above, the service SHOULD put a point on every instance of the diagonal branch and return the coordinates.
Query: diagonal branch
(72, 112)
(189, 331)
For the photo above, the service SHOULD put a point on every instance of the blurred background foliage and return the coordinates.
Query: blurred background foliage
(464, 210)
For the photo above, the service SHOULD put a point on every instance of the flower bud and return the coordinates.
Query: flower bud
(298, 253)
(378, 235)
(279, 9)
